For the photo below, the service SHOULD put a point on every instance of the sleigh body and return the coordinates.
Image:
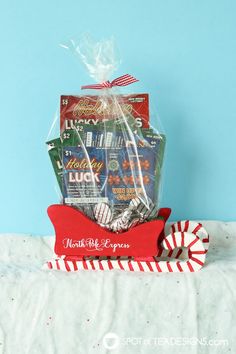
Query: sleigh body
(83, 244)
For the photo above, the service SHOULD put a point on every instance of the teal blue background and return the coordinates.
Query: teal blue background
(183, 52)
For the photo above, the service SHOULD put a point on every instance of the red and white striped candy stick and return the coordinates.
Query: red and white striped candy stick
(197, 253)
(186, 226)
(194, 228)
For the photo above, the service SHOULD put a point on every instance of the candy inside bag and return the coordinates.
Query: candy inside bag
(110, 156)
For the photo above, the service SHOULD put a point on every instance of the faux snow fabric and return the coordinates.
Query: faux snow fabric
(52, 312)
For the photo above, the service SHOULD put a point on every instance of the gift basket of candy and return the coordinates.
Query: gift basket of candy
(108, 162)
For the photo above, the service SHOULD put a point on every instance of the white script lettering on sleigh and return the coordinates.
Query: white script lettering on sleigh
(91, 244)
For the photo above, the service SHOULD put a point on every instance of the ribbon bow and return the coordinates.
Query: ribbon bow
(119, 81)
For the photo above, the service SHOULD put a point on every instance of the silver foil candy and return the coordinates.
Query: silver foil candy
(102, 213)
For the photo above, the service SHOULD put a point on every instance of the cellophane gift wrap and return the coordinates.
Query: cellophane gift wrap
(107, 157)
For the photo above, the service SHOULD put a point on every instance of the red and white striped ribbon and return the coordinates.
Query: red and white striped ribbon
(193, 241)
(123, 80)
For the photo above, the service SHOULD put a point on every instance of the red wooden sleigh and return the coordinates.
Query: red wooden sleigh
(83, 244)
